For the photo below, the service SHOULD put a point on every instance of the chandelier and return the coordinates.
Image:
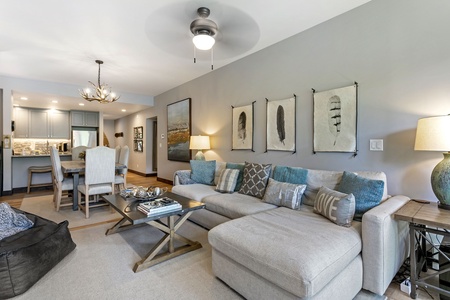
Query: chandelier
(102, 92)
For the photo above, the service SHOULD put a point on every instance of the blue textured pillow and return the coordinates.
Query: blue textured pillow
(290, 174)
(239, 167)
(368, 192)
(202, 171)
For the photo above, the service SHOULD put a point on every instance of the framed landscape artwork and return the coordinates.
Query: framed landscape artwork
(335, 120)
(242, 127)
(179, 130)
(281, 125)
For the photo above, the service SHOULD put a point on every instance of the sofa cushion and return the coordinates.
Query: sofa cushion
(290, 174)
(203, 171)
(235, 205)
(194, 191)
(227, 181)
(335, 206)
(368, 192)
(299, 251)
(284, 194)
(255, 179)
(315, 180)
(240, 167)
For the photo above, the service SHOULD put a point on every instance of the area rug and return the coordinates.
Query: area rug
(43, 206)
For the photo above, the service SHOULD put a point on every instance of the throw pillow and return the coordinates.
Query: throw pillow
(367, 192)
(290, 174)
(12, 222)
(227, 181)
(239, 167)
(255, 179)
(184, 177)
(202, 171)
(335, 206)
(284, 194)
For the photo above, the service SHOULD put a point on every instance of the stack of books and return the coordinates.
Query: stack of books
(158, 206)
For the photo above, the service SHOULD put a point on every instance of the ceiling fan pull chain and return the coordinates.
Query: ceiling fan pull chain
(212, 58)
(195, 55)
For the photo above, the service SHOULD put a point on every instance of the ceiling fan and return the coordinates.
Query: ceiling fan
(204, 31)
(234, 31)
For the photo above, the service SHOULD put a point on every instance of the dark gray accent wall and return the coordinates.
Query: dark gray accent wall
(397, 51)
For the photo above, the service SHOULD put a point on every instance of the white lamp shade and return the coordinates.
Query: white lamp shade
(433, 134)
(203, 41)
(199, 142)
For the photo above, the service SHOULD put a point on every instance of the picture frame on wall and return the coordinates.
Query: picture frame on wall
(179, 130)
(335, 120)
(281, 125)
(242, 127)
(139, 145)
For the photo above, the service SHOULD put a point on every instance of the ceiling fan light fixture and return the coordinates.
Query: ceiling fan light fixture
(203, 41)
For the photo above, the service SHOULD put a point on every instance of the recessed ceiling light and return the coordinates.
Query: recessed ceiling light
(124, 110)
(23, 98)
(54, 101)
(81, 104)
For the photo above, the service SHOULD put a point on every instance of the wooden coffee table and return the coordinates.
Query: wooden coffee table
(133, 218)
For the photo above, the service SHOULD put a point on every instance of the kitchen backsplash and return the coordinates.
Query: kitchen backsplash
(36, 146)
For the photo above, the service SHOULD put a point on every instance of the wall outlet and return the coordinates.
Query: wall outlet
(376, 145)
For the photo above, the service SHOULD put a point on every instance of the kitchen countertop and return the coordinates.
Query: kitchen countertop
(42, 155)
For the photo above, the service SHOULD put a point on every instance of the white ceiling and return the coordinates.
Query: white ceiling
(145, 44)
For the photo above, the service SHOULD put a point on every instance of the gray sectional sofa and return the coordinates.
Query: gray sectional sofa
(264, 251)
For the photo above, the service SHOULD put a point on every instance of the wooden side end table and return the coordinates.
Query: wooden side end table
(424, 217)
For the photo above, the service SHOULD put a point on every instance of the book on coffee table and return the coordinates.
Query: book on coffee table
(159, 206)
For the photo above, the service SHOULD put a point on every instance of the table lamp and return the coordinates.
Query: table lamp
(199, 142)
(433, 134)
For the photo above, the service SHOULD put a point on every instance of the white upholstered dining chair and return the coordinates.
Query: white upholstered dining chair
(121, 176)
(60, 183)
(117, 153)
(76, 152)
(99, 176)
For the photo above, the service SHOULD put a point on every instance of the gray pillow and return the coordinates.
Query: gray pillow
(335, 206)
(203, 171)
(227, 181)
(284, 194)
(255, 179)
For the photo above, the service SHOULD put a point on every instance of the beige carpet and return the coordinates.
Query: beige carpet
(43, 206)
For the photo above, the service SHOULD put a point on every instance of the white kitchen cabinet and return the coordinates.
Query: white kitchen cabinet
(84, 118)
(59, 125)
(41, 123)
(21, 122)
(38, 124)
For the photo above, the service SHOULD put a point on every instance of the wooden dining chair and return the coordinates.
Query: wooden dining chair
(98, 176)
(76, 152)
(60, 183)
(121, 176)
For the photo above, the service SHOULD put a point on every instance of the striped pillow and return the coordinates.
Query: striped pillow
(227, 181)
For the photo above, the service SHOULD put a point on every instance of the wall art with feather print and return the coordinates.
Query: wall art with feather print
(335, 120)
(281, 125)
(242, 132)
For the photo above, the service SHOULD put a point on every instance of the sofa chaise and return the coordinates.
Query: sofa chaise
(269, 251)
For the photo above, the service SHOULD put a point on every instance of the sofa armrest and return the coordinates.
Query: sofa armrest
(385, 244)
(177, 174)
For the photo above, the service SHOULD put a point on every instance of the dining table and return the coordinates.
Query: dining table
(74, 168)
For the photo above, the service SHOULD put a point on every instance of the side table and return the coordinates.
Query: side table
(424, 217)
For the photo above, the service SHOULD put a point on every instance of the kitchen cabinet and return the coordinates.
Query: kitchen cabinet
(84, 118)
(41, 123)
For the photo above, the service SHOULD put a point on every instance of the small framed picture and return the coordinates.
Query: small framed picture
(138, 145)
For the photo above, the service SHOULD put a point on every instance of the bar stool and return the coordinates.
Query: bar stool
(38, 169)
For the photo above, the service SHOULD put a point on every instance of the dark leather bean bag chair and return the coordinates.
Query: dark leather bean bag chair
(28, 255)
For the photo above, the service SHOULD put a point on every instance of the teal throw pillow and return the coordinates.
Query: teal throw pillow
(368, 192)
(202, 171)
(239, 167)
(290, 174)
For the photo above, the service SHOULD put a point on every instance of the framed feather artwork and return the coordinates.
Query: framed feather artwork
(335, 120)
(242, 130)
(179, 130)
(281, 124)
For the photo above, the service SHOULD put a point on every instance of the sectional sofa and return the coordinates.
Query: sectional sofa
(267, 249)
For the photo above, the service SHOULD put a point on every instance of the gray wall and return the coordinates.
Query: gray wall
(398, 52)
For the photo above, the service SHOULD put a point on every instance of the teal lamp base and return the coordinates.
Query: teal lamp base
(440, 181)
(199, 155)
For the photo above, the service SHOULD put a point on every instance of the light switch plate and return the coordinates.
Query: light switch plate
(376, 145)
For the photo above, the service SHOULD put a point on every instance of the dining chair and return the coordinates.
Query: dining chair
(60, 183)
(76, 152)
(121, 176)
(98, 176)
(117, 153)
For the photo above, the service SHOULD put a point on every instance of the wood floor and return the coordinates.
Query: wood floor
(15, 200)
